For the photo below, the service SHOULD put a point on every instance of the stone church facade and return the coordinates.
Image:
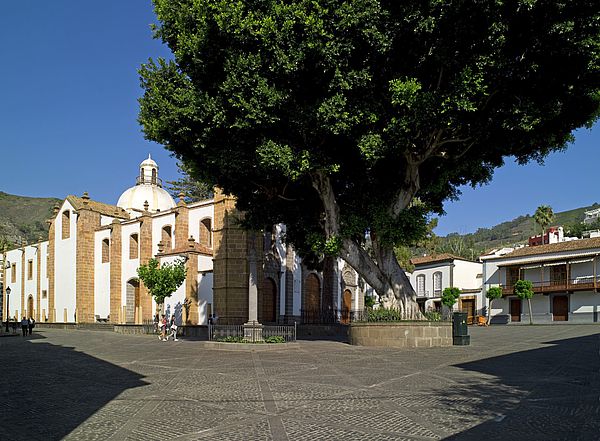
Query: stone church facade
(87, 269)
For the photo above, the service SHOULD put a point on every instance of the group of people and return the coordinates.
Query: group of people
(162, 325)
(27, 325)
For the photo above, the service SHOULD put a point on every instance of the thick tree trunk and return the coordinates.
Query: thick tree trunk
(382, 270)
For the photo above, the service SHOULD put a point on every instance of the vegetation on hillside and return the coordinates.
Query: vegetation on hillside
(24, 218)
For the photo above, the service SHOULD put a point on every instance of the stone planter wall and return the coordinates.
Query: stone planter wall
(401, 335)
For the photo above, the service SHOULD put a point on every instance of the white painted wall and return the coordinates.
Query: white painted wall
(428, 271)
(101, 276)
(15, 285)
(43, 250)
(205, 296)
(65, 266)
(158, 222)
(31, 253)
(196, 214)
(465, 274)
(174, 303)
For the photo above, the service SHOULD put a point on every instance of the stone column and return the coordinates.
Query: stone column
(182, 219)
(191, 285)
(252, 329)
(51, 257)
(230, 264)
(145, 256)
(87, 223)
(115, 271)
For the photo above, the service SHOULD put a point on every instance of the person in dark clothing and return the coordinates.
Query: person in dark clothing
(31, 324)
(24, 326)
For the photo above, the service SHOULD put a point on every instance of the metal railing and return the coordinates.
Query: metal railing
(254, 332)
(581, 283)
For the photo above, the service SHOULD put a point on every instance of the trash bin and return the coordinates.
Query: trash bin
(460, 332)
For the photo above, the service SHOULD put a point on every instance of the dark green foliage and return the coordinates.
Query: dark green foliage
(391, 101)
(369, 301)
(523, 289)
(449, 296)
(384, 315)
(577, 229)
(193, 189)
(275, 339)
(162, 281)
(493, 293)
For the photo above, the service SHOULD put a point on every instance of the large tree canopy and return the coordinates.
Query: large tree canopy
(353, 119)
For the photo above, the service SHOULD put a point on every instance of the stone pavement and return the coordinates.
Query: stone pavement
(512, 383)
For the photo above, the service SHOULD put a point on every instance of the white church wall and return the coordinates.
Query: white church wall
(31, 288)
(13, 257)
(158, 222)
(101, 277)
(196, 214)
(44, 281)
(105, 220)
(205, 296)
(128, 266)
(65, 269)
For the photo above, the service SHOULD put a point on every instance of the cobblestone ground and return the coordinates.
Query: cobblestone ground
(512, 383)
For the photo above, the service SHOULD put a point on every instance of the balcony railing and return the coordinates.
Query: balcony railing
(582, 283)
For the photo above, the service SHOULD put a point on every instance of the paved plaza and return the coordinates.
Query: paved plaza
(512, 383)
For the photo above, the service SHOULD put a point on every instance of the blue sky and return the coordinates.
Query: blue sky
(68, 110)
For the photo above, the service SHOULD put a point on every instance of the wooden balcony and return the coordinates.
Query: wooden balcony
(585, 283)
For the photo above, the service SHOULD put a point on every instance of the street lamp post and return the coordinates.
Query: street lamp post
(7, 306)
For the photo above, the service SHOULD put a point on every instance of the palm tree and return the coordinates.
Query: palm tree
(543, 216)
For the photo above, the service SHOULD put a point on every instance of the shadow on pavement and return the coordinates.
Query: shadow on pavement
(551, 393)
(46, 390)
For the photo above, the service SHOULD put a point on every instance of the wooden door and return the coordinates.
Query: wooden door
(468, 306)
(30, 307)
(515, 310)
(346, 306)
(312, 300)
(560, 309)
(269, 301)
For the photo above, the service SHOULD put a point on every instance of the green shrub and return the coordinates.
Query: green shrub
(433, 316)
(384, 315)
(275, 339)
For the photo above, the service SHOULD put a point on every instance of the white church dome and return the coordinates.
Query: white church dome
(148, 190)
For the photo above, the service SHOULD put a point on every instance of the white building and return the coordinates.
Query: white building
(432, 274)
(565, 278)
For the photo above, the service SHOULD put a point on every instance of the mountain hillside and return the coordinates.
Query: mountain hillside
(24, 217)
(511, 232)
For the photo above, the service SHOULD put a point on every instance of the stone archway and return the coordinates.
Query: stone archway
(132, 300)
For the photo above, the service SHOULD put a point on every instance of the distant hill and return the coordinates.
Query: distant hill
(511, 232)
(24, 217)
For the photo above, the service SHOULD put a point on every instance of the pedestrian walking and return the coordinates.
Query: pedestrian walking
(31, 324)
(14, 325)
(173, 329)
(24, 326)
(155, 321)
(163, 329)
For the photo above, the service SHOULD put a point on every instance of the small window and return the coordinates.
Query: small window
(13, 272)
(105, 251)
(66, 224)
(421, 285)
(133, 246)
(206, 232)
(437, 283)
(30, 269)
(166, 237)
(44, 294)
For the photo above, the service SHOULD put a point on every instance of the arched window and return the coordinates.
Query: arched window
(154, 176)
(206, 232)
(166, 237)
(421, 285)
(133, 246)
(105, 251)
(437, 283)
(66, 224)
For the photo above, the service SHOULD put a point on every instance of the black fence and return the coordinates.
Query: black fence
(252, 333)
(332, 316)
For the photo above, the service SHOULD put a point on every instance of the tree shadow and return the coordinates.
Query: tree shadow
(550, 393)
(47, 390)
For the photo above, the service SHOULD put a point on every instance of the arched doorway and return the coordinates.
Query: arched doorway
(132, 300)
(346, 306)
(268, 309)
(30, 312)
(312, 299)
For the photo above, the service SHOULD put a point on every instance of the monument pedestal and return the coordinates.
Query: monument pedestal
(253, 331)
